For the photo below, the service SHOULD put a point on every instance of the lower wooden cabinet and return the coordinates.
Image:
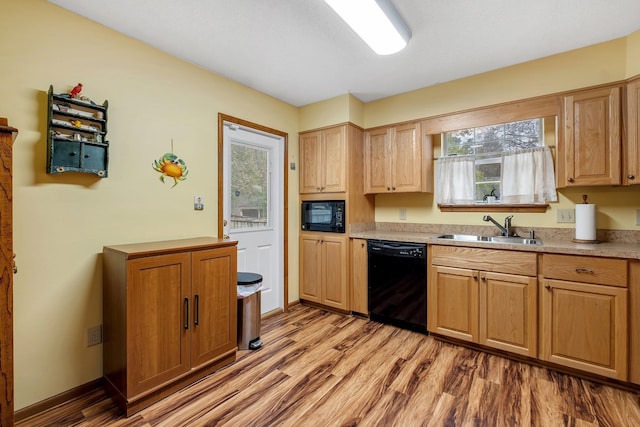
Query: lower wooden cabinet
(169, 316)
(585, 321)
(323, 269)
(484, 306)
(359, 276)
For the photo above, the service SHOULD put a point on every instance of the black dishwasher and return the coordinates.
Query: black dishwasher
(398, 283)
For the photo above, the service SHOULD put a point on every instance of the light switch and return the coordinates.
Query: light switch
(198, 203)
(403, 213)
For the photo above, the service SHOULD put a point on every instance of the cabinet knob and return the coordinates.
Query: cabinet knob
(631, 177)
(547, 286)
(388, 188)
(393, 188)
(570, 179)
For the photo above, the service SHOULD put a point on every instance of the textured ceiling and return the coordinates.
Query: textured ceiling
(299, 51)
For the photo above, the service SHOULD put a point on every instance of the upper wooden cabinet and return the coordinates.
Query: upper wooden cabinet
(589, 150)
(323, 157)
(631, 171)
(396, 160)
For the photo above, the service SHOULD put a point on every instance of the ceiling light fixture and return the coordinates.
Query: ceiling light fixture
(377, 22)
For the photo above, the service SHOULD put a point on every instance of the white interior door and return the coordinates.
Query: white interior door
(253, 206)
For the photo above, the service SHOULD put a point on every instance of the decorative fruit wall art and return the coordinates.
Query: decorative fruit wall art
(171, 166)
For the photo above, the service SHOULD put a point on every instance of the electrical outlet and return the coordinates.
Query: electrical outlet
(566, 215)
(637, 216)
(403, 213)
(94, 335)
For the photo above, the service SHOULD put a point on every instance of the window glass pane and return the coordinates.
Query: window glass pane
(488, 141)
(249, 187)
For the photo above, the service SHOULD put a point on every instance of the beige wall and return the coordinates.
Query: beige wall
(633, 54)
(61, 222)
(601, 63)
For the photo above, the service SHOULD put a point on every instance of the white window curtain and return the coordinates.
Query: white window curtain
(455, 180)
(527, 177)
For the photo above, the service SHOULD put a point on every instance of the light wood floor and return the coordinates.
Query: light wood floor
(323, 369)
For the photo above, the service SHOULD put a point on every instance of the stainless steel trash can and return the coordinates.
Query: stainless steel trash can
(249, 285)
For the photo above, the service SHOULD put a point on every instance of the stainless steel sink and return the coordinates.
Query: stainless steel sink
(512, 240)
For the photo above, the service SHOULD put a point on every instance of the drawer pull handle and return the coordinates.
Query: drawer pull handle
(583, 270)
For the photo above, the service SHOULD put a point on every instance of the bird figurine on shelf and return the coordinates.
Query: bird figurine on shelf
(75, 92)
(76, 123)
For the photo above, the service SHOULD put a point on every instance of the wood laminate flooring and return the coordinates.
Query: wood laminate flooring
(318, 368)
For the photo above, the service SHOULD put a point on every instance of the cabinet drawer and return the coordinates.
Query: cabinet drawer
(499, 261)
(602, 271)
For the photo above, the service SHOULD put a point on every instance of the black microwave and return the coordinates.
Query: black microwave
(323, 215)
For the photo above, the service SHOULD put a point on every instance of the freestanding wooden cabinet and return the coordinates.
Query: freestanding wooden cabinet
(169, 316)
(323, 269)
(8, 269)
(395, 160)
(589, 152)
(475, 296)
(584, 314)
(323, 158)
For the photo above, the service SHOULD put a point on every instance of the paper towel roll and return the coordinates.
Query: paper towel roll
(586, 222)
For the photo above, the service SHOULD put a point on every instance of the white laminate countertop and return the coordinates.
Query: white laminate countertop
(615, 249)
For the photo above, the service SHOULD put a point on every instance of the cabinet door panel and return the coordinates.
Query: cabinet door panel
(310, 162)
(585, 327)
(334, 284)
(66, 154)
(406, 166)
(453, 303)
(214, 303)
(157, 340)
(376, 179)
(359, 280)
(592, 137)
(508, 317)
(334, 157)
(631, 173)
(94, 157)
(310, 267)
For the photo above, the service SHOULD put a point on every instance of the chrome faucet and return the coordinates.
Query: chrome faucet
(506, 230)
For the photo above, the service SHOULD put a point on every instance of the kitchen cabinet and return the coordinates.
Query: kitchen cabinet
(323, 157)
(634, 321)
(589, 152)
(323, 269)
(584, 313)
(359, 279)
(169, 316)
(631, 171)
(475, 296)
(395, 160)
(8, 266)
